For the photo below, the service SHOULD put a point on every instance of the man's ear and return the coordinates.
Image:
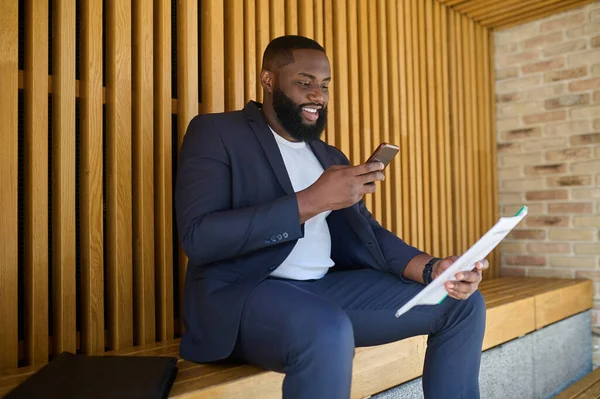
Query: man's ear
(267, 80)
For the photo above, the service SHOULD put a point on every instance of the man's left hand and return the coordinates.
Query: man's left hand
(467, 283)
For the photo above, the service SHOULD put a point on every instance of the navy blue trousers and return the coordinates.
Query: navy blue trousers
(309, 330)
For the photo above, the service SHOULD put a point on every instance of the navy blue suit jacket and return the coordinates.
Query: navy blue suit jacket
(237, 217)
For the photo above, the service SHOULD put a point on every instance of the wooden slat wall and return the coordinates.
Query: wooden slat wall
(414, 73)
(36, 183)
(9, 50)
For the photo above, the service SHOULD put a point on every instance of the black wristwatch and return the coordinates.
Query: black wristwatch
(427, 270)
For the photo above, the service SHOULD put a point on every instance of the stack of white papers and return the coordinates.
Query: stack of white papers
(435, 292)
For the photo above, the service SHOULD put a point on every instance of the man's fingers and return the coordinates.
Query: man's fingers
(471, 277)
(367, 168)
(459, 290)
(482, 265)
(371, 177)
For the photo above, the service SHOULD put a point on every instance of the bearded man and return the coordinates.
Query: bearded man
(287, 268)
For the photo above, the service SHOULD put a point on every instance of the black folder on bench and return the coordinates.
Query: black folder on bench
(72, 376)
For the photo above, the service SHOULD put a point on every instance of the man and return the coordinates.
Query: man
(287, 268)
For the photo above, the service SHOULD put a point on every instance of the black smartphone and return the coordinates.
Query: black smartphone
(384, 154)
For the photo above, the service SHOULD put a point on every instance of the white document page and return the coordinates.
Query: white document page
(435, 292)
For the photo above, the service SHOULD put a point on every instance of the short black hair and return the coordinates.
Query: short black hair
(280, 50)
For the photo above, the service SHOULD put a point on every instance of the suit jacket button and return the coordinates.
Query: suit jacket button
(272, 267)
(279, 237)
(267, 241)
(285, 235)
(273, 239)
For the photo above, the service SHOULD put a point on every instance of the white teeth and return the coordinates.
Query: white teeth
(312, 111)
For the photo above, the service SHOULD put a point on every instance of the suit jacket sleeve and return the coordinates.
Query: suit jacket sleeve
(209, 229)
(396, 252)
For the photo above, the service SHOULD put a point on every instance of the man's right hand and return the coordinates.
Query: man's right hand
(339, 187)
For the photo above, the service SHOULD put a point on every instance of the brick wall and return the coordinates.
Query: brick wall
(548, 123)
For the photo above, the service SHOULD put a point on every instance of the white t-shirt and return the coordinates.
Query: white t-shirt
(311, 257)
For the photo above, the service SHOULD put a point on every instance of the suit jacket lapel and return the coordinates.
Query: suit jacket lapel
(267, 141)
(318, 148)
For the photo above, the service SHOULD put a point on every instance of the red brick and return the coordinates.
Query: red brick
(506, 48)
(569, 181)
(545, 143)
(584, 139)
(587, 275)
(568, 128)
(565, 22)
(525, 133)
(524, 260)
(527, 235)
(545, 117)
(550, 273)
(569, 154)
(547, 195)
(512, 272)
(543, 66)
(547, 221)
(588, 112)
(509, 97)
(543, 40)
(565, 74)
(544, 92)
(567, 101)
(538, 170)
(506, 86)
(565, 48)
(549, 248)
(597, 96)
(595, 41)
(509, 147)
(570, 208)
(587, 84)
(507, 73)
(519, 58)
(584, 58)
(597, 124)
(592, 165)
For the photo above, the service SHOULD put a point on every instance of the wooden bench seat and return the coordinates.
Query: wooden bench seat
(586, 388)
(515, 306)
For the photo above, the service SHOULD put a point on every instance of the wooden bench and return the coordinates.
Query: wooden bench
(586, 388)
(515, 306)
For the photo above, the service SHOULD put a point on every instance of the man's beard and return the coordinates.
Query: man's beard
(290, 116)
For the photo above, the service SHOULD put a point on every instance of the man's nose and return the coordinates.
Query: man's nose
(316, 95)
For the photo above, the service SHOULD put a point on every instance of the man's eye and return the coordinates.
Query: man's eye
(305, 84)
(325, 88)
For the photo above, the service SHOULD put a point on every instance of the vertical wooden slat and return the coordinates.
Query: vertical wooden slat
(291, 17)
(36, 183)
(319, 22)
(353, 83)
(143, 174)
(234, 55)
(277, 16)
(475, 133)
(462, 181)
(163, 181)
(439, 193)
(213, 82)
(423, 133)
(430, 153)
(63, 177)
(328, 20)
(384, 108)
(448, 215)
(418, 174)
(90, 205)
(412, 123)
(376, 137)
(458, 229)
(491, 105)
(118, 180)
(250, 63)
(9, 46)
(481, 131)
(262, 40)
(364, 80)
(306, 18)
(341, 102)
(469, 130)
(394, 174)
(403, 64)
